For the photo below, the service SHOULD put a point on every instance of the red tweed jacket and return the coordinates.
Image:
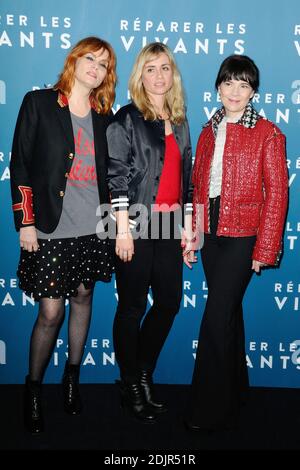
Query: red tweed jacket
(254, 182)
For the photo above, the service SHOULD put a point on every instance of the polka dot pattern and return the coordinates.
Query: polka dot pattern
(60, 265)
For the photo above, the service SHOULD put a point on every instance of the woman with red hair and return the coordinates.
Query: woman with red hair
(58, 180)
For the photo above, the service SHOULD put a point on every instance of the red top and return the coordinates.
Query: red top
(170, 180)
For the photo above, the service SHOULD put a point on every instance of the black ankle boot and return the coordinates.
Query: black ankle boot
(148, 388)
(132, 399)
(70, 381)
(33, 415)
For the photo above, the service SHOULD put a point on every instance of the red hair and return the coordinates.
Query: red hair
(104, 94)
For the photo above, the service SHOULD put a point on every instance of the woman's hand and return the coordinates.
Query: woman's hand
(124, 241)
(188, 248)
(189, 257)
(28, 238)
(257, 265)
(124, 246)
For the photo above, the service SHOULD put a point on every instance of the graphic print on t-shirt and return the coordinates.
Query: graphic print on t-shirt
(83, 171)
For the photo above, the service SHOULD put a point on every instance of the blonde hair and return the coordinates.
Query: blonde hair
(104, 94)
(174, 98)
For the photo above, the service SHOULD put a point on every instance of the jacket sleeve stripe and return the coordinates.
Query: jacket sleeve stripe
(25, 205)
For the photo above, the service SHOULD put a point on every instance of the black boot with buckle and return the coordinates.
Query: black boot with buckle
(148, 388)
(70, 381)
(33, 416)
(133, 401)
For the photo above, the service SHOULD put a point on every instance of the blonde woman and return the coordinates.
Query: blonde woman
(149, 173)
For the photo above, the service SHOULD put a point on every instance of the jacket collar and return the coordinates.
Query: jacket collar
(248, 119)
(63, 101)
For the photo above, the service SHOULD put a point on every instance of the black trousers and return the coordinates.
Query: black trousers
(220, 377)
(156, 263)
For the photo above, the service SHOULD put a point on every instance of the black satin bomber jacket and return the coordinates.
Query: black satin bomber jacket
(136, 150)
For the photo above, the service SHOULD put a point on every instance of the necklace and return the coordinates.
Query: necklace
(164, 117)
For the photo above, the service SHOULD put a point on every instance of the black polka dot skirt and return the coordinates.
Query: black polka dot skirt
(60, 265)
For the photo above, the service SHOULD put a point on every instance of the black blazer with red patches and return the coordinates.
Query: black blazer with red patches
(42, 155)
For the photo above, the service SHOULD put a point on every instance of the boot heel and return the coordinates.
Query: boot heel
(70, 382)
(146, 383)
(33, 414)
(132, 402)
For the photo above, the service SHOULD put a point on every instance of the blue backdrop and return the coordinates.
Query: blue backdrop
(35, 37)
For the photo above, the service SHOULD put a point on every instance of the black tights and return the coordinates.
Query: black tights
(47, 326)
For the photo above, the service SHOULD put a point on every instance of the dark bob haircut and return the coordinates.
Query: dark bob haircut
(238, 67)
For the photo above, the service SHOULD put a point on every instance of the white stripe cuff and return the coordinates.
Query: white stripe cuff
(120, 199)
(120, 204)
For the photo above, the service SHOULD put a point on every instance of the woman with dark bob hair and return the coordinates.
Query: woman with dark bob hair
(58, 180)
(240, 181)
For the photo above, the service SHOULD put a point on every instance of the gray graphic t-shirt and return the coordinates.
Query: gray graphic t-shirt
(81, 197)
